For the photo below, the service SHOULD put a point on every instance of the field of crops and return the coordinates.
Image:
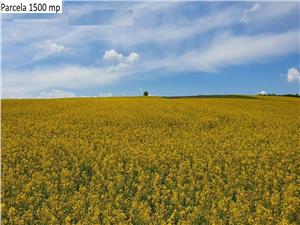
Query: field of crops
(151, 161)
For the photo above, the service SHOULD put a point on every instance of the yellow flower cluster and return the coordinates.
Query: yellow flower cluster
(151, 161)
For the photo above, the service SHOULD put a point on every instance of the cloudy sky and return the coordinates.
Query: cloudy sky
(172, 48)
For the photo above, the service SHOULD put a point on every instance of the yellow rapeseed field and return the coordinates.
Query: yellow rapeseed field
(151, 161)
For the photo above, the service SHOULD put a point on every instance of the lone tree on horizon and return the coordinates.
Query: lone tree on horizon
(146, 93)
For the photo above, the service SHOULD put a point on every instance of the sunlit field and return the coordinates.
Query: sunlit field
(151, 160)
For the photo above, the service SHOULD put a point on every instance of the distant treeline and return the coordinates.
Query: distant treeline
(286, 95)
(232, 96)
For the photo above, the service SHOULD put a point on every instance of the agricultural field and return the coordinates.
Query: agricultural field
(151, 160)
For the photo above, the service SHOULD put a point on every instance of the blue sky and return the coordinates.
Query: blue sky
(171, 48)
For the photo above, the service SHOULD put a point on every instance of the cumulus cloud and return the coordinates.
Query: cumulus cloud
(262, 93)
(123, 62)
(113, 55)
(132, 57)
(293, 75)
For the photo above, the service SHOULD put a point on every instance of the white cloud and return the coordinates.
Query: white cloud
(132, 57)
(265, 12)
(262, 93)
(227, 49)
(56, 94)
(123, 62)
(160, 24)
(26, 83)
(255, 7)
(16, 94)
(118, 67)
(158, 29)
(181, 28)
(221, 52)
(247, 12)
(164, 32)
(105, 94)
(51, 47)
(31, 53)
(113, 55)
(293, 75)
(178, 30)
